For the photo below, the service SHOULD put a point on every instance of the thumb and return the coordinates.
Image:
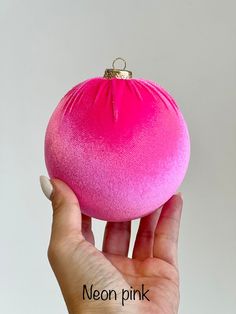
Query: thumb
(66, 210)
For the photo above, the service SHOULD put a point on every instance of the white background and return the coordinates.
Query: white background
(188, 47)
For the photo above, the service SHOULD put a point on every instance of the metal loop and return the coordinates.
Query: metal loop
(113, 63)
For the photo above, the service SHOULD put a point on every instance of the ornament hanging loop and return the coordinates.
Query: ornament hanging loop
(116, 59)
(118, 73)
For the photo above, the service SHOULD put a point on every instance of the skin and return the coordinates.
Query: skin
(75, 260)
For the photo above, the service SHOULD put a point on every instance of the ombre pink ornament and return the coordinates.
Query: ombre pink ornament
(120, 143)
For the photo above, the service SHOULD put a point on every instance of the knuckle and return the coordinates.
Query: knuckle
(147, 234)
(164, 236)
(52, 253)
(55, 251)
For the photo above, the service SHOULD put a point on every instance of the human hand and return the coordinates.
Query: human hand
(76, 262)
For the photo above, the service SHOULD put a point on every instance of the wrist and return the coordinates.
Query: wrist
(106, 307)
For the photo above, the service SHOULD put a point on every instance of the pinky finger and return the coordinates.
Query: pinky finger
(167, 231)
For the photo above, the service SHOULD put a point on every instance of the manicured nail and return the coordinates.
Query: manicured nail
(46, 186)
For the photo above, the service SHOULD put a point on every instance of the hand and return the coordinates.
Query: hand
(76, 262)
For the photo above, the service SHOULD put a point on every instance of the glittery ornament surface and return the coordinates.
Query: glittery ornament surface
(121, 145)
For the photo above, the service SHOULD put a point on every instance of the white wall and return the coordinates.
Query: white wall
(189, 47)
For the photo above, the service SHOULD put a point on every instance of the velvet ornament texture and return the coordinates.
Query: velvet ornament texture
(122, 145)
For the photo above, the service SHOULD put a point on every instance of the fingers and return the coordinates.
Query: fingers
(87, 228)
(143, 246)
(167, 231)
(117, 237)
(66, 212)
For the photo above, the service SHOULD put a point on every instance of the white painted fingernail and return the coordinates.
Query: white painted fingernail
(180, 194)
(46, 186)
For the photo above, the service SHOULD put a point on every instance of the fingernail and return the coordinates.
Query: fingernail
(46, 186)
(180, 194)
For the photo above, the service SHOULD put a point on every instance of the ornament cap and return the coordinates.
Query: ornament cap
(116, 72)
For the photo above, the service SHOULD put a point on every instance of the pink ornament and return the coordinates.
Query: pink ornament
(120, 143)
